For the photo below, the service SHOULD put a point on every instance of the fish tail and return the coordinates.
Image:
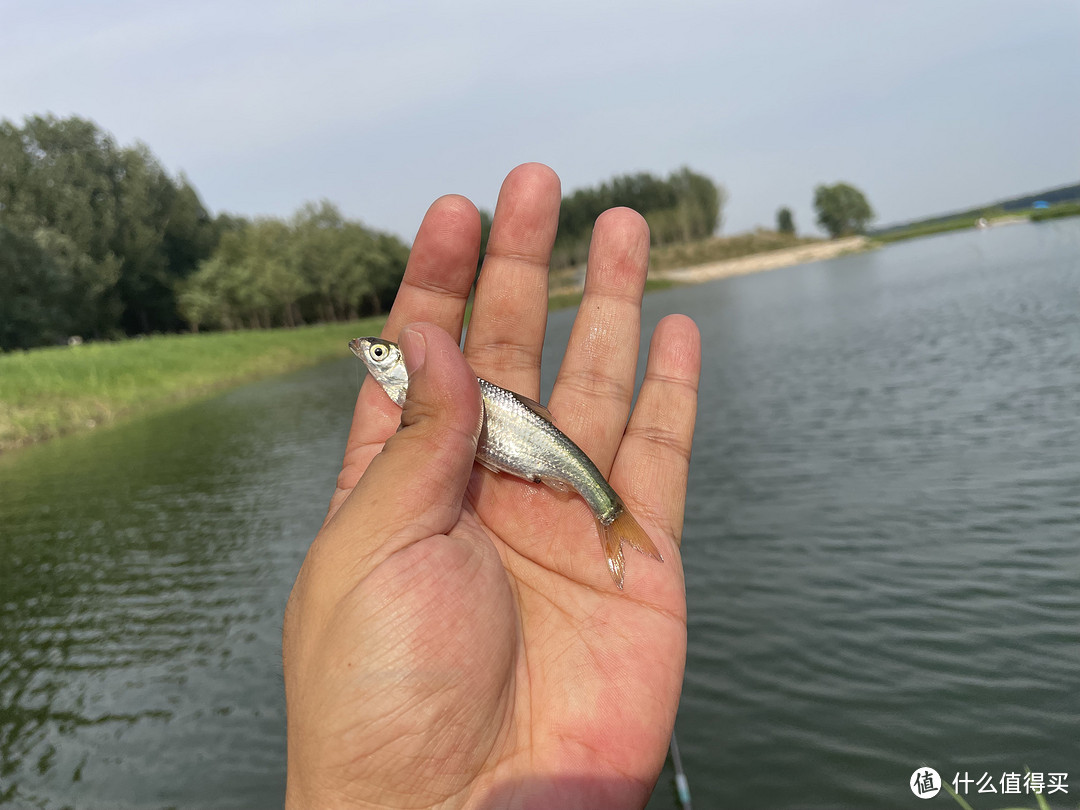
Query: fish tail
(624, 529)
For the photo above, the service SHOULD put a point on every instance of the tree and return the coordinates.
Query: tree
(349, 268)
(203, 297)
(842, 209)
(785, 222)
(109, 221)
(700, 203)
(33, 290)
(59, 185)
(318, 266)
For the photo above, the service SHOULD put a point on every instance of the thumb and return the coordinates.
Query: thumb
(418, 481)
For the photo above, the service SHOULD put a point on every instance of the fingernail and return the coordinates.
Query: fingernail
(413, 348)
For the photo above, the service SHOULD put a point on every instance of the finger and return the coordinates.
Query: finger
(654, 459)
(414, 487)
(434, 289)
(592, 394)
(506, 331)
(441, 269)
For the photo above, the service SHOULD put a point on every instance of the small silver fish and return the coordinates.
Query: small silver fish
(519, 437)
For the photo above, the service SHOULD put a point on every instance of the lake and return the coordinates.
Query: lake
(882, 550)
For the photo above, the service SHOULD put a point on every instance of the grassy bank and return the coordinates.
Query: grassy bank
(1067, 209)
(958, 224)
(49, 392)
(721, 248)
(992, 216)
(565, 281)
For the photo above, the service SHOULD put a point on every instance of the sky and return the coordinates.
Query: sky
(927, 106)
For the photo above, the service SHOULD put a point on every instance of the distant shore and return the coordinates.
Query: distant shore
(758, 262)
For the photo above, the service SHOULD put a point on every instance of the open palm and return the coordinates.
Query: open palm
(454, 637)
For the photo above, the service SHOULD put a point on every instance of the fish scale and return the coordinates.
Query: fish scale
(518, 440)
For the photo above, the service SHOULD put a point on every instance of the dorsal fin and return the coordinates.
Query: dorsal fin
(534, 406)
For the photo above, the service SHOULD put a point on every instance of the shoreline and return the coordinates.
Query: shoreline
(760, 262)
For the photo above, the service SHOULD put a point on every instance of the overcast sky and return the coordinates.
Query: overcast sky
(927, 106)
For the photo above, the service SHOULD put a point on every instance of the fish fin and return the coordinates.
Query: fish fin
(489, 465)
(556, 484)
(611, 540)
(535, 407)
(624, 529)
(636, 536)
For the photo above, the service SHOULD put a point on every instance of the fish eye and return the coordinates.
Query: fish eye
(378, 351)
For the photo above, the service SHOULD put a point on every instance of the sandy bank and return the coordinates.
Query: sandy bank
(763, 261)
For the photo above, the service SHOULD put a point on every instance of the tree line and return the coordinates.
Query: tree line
(92, 236)
(683, 207)
(98, 240)
(315, 267)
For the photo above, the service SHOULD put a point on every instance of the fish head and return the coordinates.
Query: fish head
(385, 363)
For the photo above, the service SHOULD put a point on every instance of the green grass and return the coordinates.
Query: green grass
(957, 224)
(1067, 209)
(57, 390)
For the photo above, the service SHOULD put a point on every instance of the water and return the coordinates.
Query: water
(881, 548)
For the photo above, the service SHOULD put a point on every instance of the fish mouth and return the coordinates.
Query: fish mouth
(356, 346)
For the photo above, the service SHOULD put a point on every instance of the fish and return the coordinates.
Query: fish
(518, 436)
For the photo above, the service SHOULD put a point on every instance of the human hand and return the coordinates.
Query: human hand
(454, 638)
